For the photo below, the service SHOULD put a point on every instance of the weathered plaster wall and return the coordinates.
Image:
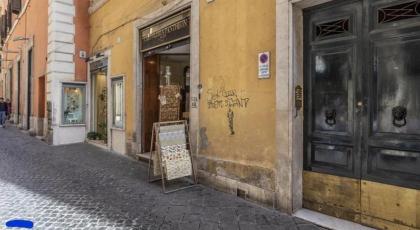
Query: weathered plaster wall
(237, 110)
(31, 24)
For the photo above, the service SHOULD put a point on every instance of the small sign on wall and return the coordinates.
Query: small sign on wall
(264, 65)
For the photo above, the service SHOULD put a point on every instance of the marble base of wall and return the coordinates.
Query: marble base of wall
(246, 191)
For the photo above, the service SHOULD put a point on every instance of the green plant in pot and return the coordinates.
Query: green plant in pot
(92, 135)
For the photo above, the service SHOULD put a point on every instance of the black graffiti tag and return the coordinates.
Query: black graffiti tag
(221, 98)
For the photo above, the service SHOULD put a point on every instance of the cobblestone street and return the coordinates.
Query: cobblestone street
(83, 187)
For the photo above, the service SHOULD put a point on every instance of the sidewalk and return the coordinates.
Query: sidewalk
(83, 187)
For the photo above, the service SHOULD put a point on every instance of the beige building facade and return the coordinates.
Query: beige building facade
(262, 126)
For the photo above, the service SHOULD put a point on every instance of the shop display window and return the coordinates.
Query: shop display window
(118, 102)
(73, 104)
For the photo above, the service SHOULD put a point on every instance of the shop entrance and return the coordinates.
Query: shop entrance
(99, 100)
(157, 69)
(165, 47)
(362, 107)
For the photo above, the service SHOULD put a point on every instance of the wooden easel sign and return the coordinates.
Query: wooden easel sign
(172, 155)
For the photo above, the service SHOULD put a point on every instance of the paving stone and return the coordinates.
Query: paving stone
(83, 187)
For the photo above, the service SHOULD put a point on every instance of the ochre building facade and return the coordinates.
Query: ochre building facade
(296, 105)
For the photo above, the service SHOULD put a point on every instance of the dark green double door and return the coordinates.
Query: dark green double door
(362, 87)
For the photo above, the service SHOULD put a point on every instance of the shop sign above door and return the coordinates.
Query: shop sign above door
(264, 65)
(172, 29)
(99, 64)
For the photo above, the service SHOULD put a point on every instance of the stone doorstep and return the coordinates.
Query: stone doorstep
(328, 221)
(144, 157)
(98, 144)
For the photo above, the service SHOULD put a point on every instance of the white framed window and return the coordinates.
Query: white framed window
(118, 102)
(73, 104)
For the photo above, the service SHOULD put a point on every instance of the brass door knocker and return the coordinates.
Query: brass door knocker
(330, 117)
(399, 114)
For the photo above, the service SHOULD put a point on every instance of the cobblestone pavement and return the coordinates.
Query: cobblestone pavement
(83, 187)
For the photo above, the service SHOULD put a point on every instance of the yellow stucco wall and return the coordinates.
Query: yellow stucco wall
(112, 29)
(232, 33)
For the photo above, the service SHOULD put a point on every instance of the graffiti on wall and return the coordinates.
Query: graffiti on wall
(230, 99)
(222, 98)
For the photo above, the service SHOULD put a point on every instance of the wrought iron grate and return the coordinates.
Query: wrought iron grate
(332, 28)
(399, 12)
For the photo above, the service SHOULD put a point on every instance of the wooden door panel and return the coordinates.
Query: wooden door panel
(392, 150)
(396, 82)
(151, 82)
(332, 91)
(332, 48)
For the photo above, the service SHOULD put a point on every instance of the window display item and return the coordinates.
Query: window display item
(118, 103)
(73, 100)
(168, 75)
(170, 103)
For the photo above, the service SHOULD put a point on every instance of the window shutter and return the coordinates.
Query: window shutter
(16, 6)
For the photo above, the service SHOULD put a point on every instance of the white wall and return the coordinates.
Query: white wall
(61, 67)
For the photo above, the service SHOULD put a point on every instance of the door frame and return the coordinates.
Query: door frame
(289, 74)
(29, 85)
(18, 89)
(90, 103)
(163, 12)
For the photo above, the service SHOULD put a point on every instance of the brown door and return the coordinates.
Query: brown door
(151, 81)
(41, 95)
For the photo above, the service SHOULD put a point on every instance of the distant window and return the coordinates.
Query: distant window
(118, 102)
(73, 104)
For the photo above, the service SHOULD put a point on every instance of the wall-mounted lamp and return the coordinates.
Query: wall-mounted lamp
(20, 38)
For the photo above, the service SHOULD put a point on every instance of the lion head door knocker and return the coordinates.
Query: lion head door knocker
(399, 115)
(330, 117)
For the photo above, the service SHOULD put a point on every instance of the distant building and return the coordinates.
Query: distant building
(43, 72)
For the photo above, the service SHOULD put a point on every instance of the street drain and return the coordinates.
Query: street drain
(241, 193)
